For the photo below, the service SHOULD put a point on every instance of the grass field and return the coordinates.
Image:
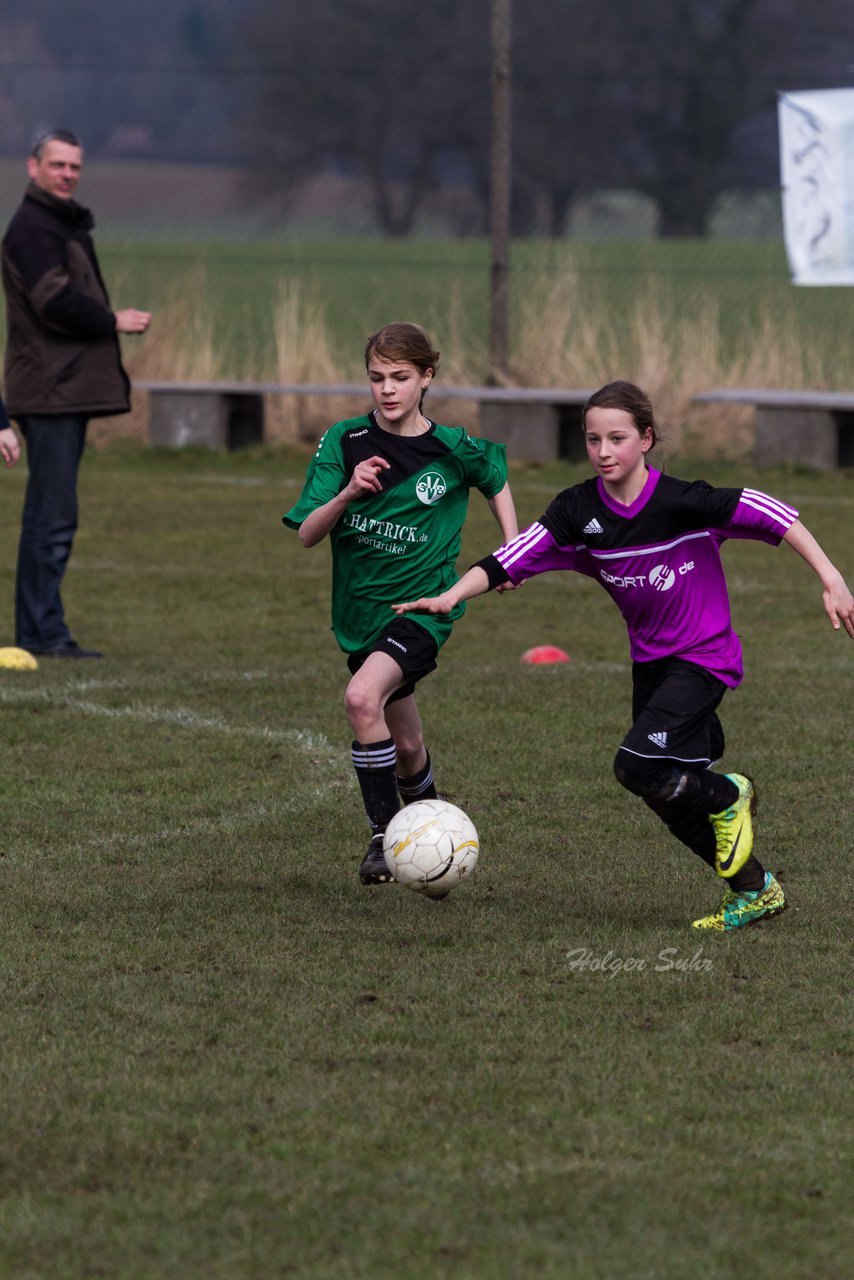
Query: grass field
(564, 286)
(677, 317)
(220, 1057)
(677, 311)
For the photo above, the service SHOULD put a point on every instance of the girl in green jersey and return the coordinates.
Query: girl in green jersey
(390, 489)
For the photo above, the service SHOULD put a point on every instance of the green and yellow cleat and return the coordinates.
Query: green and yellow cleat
(733, 829)
(747, 907)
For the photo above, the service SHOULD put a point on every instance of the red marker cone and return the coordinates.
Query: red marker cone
(545, 653)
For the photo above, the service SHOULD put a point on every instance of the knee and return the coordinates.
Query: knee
(410, 751)
(652, 780)
(360, 702)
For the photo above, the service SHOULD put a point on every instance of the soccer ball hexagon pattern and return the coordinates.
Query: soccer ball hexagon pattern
(431, 846)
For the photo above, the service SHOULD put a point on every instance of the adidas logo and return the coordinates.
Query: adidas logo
(593, 527)
(660, 739)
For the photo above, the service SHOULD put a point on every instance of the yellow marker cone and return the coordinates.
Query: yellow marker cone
(17, 659)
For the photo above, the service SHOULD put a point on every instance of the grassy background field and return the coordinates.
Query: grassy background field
(677, 318)
(238, 292)
(221, 1057)
(560, 289)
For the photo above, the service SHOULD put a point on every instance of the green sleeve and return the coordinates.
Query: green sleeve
(323, 479)
(488, 465)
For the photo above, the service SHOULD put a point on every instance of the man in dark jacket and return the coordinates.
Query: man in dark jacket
(63, 366)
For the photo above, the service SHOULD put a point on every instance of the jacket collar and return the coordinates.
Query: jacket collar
(76, 215)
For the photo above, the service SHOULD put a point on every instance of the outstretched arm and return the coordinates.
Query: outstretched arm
(838, 601)
(473, 583)
(503, 508)
(365, 479)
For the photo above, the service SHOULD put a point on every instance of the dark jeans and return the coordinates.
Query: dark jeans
(54, 448)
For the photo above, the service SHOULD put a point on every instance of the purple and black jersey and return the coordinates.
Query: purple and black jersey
(659, 560)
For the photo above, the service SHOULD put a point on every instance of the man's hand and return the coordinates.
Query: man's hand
(132, 321)
(10, 447)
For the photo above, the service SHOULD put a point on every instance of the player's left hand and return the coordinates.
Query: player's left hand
(839, 606)
(427, 604)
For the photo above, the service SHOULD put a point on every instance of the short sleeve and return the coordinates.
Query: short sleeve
(486, 465)
(324, 479)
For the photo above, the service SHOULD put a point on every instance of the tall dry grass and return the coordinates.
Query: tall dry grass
(567, 332)
(571, 335)
(303, 352)
(180, 346)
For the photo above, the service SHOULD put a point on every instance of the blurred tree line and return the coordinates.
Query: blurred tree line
(675, 99)
(154, 79)
(672, 98)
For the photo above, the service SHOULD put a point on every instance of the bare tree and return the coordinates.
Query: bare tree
(381, 90)
(673, 98)
(696, 73)
(567, 109)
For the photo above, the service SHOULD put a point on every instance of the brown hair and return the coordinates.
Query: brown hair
(629, 398)
(403, 341)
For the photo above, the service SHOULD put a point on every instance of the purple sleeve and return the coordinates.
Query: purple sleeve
(534, 551)
(759, 516)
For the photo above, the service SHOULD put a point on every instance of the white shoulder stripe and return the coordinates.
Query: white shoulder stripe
(784, 516)
(523, 542)
(771, 504)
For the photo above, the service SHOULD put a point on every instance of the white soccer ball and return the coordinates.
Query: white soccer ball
(430, 846)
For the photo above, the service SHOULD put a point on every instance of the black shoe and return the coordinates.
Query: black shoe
(67, 649)
(374, 869)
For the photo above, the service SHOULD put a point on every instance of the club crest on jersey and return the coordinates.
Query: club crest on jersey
(431, 487)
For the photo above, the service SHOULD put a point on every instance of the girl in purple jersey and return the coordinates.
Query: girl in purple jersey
(653, 542)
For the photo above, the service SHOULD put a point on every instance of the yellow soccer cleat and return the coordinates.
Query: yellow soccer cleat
(734, 829)
(747, 907)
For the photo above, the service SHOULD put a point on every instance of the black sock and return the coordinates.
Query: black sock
(750, 878)
(420, 786)
(710, 791)
(376, 768)
(687, 818)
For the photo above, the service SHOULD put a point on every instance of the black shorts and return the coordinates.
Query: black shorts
(674, 704)
(413, 649)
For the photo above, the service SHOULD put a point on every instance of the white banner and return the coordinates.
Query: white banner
(817, 174)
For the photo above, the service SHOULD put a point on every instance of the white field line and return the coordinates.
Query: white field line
(307, 743)
(222, 824)
(304, 739)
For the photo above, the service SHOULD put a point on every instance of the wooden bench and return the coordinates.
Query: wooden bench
(536, 424)
(814, 428)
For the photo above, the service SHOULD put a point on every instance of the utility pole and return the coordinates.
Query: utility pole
(499, 190)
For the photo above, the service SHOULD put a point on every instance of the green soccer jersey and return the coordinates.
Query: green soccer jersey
(403, 542)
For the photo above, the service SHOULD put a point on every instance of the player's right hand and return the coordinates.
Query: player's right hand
(366, 477)
(129, 320)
